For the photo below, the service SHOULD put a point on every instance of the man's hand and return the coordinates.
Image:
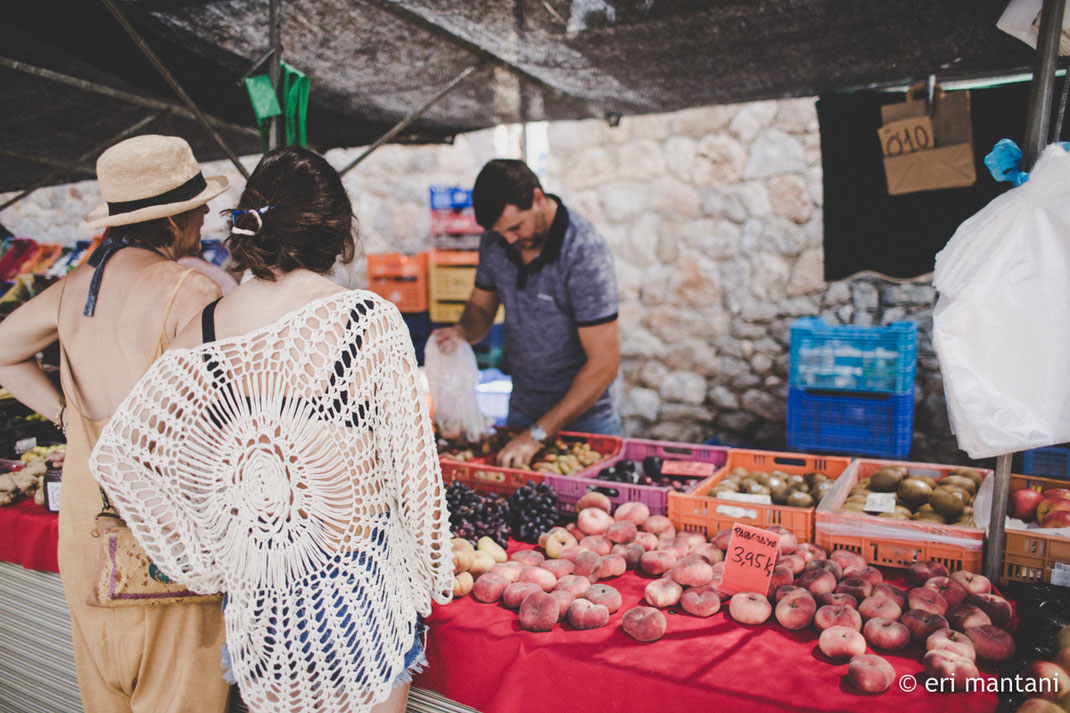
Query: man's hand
(519, 451)
(447, 338)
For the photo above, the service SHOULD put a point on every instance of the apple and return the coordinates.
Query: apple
(1024, 503)
(972, 583)
(966, 615)
(841, 642)
(796, 609)
(830, 616)
(1051, 504)
(1056, 518)
(886, 634)
(870, 673)
(749, 608)
(954, 641)
(949, 666)
(999, 610)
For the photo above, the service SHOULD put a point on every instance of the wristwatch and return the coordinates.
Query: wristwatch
(537, 432)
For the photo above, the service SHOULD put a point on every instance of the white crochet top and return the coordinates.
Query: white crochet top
(293, 468)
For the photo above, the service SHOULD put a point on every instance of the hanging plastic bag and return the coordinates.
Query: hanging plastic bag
(452, 379)
(1001, 326)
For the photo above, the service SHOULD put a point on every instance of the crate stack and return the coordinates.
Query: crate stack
(453, 219)
(1050, 462)
(402, 279)
(451, 276)
(851, 388)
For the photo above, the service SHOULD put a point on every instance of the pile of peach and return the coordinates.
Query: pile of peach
(562, 581)
(956, 616)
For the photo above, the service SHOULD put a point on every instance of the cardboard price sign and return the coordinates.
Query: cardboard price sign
(748, 563)
(906, 136)
(687, 467)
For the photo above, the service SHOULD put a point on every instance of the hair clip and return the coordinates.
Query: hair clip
(256, 213)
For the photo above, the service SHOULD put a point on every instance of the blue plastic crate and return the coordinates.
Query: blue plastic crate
(450, 198)
(856, 424)
(1050, 462)
(853, 358)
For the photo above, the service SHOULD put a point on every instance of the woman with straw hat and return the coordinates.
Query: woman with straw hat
(113, 316)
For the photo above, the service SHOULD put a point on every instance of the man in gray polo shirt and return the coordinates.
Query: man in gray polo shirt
(554, 274)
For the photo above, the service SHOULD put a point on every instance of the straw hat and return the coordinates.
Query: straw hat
(147, 177)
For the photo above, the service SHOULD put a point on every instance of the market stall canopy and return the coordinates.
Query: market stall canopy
(373, 62)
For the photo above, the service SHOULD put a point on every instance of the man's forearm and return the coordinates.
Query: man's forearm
(590, 383)
(475, 322)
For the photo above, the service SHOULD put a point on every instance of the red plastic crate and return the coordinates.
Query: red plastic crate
(1031, 556)
(570, 488)
(402, 279)
(896, 543)
(482, 474)
(699, 512)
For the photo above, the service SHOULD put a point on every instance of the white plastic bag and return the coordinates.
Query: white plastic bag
(452, 380)
(1001, 326)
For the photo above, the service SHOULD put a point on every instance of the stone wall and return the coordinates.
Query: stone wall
(715, 218)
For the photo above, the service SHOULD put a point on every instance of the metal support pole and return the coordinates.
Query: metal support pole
(400, 126)
(87, 156)
(274, 35)
(997, 537)
(169, 78)
(1043, 86)
(119, 94)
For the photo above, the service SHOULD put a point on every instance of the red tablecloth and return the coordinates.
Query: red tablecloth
(29, 535)
(479, 656)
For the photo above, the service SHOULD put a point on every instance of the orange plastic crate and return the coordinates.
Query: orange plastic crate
(484, 475)
(699, 512)
(896, 543)
(402, 279)
(1029, 556)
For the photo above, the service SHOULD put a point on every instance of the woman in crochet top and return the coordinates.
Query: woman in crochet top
(284, 455)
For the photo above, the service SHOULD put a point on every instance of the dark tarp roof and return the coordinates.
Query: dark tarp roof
(372, 62)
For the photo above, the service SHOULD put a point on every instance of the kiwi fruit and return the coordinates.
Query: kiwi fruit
(775, 481)
(929, 517)
(905, 511)
(814, 478)
(755, 488)
(799, 499)
(818, 491)
(946, 503)
(762, 478)
(796, 480)
(925, 508)
(855, 506)
(864, 482)
(962, 482)
(914, 492)
(894, 516)
(970, 473)
(780, 493)
(729, 485)
(885, 480)
(739, 471)
(926, 479)
(958, 492)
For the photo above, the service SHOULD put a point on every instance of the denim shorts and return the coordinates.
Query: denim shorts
(315, 616)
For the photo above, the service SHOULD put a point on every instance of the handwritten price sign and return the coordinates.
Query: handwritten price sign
(748, 564)
(906, 136)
